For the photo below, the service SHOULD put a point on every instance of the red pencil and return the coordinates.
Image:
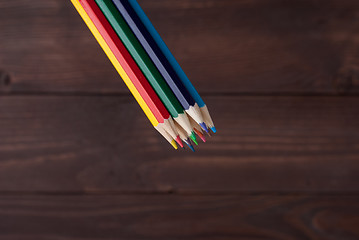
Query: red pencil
(129, 65)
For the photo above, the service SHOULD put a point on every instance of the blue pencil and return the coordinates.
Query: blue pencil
(171, 60)
(160, 61)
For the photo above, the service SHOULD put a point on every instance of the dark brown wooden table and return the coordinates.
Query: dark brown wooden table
(281, 78)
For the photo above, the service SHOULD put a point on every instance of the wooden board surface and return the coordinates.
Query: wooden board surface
(267, 47)
(282, 217)
(90, 144)
(79, 160)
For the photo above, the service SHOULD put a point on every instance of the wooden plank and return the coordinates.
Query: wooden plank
(50, 143)
(282, 217)
(254, 46)
(54, 51)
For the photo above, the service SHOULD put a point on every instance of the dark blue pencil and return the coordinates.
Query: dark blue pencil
(172, 60)
(160, 61)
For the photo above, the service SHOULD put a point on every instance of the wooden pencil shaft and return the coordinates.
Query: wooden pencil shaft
(140, 57)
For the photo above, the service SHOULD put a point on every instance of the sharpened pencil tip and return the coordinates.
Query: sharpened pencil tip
(204, 126)
(174, 145)
(202, 138)
(178, 140)
(190, 145)
(213, 129)
(193, 137)
(199, 134)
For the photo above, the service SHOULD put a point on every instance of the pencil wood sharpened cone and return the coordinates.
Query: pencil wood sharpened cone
(171, 59)
(168, 126)
(207, 118)
(167, 136)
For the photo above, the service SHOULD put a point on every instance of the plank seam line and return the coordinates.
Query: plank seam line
(178, 193)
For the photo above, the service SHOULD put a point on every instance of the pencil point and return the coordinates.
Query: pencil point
(192, 148)
(193, 137)
(213, 129)
(200, 135)
(178, 140)
(173, 143)
(203, 125)
(190, 145)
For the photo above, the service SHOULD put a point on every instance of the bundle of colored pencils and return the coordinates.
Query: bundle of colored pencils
(148, 68)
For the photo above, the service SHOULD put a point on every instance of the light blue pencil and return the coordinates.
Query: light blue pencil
(183, 77)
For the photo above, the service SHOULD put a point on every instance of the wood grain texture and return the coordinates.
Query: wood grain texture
(158, 217)
(79, 160)
(106, 144)
(290, 46)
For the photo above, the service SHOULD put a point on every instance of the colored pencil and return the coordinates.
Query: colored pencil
(181, 74)
(157, 57)
(161, 127)
(150, 71)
